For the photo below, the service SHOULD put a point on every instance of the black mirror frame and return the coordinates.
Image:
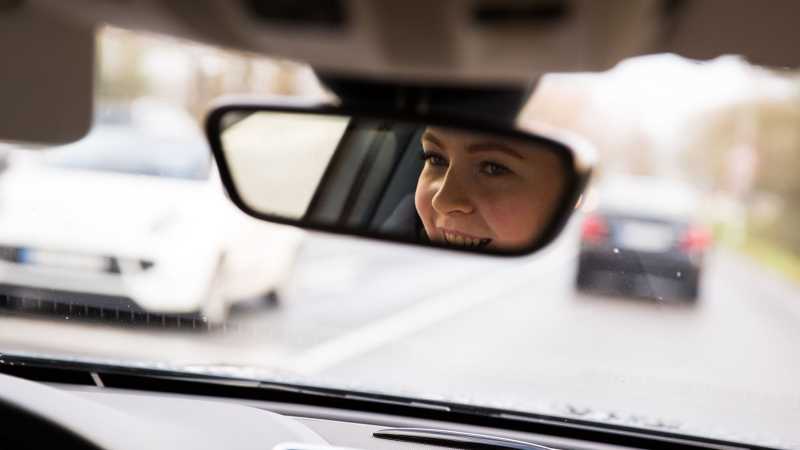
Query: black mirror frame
(577, 177)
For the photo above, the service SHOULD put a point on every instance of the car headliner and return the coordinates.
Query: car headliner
(426, 41)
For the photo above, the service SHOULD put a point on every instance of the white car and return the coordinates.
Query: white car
(132, 241)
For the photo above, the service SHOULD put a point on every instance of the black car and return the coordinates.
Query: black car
(632, 245)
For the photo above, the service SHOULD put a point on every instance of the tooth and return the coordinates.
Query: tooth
(471, 242)
(460, 240)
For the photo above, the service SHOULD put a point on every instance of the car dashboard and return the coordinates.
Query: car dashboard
(111, 410)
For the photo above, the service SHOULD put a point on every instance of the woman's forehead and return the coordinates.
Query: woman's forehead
(462, 139)
(457, 134)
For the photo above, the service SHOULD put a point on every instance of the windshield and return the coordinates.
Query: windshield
(671, 300)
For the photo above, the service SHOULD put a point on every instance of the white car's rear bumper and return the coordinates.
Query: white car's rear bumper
(110, 291)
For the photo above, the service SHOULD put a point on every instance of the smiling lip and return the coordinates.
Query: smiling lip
(459, 239)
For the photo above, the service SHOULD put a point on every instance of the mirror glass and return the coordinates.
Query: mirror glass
(449, 186)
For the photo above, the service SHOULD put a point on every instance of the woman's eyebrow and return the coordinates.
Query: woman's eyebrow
(494, 147)
(428, 136)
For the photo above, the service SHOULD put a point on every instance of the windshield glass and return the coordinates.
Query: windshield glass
(671, 300)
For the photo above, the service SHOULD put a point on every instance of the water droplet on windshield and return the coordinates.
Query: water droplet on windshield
(678, 274)
(616, 250)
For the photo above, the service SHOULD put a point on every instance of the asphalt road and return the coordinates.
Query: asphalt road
(503, 332)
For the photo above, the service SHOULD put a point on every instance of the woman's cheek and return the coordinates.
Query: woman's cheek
(423, 200)
(512, 219)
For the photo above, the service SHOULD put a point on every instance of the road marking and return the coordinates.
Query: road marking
(425, 313)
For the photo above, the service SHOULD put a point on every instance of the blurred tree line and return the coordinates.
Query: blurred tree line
(751, 150)
(134, 65)
(744, 152)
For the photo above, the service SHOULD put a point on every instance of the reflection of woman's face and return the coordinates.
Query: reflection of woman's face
(481, 191)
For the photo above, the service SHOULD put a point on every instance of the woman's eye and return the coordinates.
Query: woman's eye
(494, 169)
(434, 159)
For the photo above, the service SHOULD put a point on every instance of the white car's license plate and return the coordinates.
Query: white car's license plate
(63, 260)
(646, 237)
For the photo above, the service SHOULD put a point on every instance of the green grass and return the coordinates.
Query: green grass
(763, 250)
(772, 256)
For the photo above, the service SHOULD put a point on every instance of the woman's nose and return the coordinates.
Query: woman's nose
(452, 196)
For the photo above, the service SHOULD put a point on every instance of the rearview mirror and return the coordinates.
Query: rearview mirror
(439, 182)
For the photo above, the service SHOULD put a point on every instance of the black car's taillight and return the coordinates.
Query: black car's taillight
(594, 229)
(695, 239)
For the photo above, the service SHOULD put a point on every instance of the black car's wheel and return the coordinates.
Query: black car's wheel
(690, 289)
(583, 279)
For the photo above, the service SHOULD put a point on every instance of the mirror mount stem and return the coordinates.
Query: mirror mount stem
(499, 103)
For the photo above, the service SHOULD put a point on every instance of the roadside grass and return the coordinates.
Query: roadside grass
(772, 256)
